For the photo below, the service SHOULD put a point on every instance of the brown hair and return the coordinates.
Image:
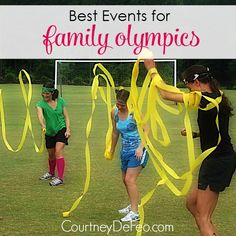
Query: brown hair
(203, 74)
(122, 95)
(55, 92)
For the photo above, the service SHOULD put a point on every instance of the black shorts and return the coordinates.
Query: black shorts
(216, 172)
(59, 137)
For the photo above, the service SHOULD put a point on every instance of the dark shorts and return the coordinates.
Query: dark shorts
(216, 172)
(59, 137)
(129, 160)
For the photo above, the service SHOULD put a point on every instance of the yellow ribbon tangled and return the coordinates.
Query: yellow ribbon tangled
(191, 100)
(28, 124)
(135, 102)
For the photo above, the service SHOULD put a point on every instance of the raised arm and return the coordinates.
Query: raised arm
(176, 97)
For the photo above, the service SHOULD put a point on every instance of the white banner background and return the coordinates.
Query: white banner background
(22, 29)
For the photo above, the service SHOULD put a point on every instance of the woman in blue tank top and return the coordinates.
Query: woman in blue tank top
(133, 155)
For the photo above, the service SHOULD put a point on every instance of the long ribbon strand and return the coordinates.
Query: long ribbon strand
(159, 130)
(107, 99)
(27, 125)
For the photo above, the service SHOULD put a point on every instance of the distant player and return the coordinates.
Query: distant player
(54, 118)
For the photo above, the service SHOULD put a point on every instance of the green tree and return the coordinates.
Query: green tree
(232, 74)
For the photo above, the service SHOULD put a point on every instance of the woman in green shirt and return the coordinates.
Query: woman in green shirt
(54, 119)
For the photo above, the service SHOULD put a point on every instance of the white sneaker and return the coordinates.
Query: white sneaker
(56, 182)
(131, 216)
(46, 176)
(125, 210)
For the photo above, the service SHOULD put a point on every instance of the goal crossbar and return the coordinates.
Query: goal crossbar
(113, 61)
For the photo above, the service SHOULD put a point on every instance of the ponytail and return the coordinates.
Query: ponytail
(226, 107)
(55, 94)
(203, 74)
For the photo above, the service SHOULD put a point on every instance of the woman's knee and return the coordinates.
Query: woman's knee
(191, 201)
(51, 155)
(59, 149)
(129, 180)
(58, 152)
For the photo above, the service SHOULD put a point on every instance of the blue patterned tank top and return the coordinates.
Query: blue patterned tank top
(128, 130)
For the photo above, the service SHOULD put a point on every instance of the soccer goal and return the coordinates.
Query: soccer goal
(80, 72)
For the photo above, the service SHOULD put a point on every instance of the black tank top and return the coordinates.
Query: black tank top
(208, 129)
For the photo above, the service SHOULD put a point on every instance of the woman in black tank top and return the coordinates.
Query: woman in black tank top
(217, 169)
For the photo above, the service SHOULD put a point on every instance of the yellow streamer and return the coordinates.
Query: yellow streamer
(135, 102)
(107, 99)
(190, 101)
(28, 124)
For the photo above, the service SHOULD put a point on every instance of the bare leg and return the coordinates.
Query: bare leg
(206, 203)
(191, 201)
(59, 150)
(201, 204)
(131, 186)
(51, 153)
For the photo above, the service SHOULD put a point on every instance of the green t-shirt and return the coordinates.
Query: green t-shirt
(54, 118)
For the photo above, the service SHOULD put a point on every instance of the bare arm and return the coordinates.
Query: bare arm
(139, 150)
(115, 133)
(67, 119)
(146, 131)
(40, 117)
(150, 64)
(175, 97)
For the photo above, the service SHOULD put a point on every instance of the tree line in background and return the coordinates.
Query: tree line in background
(81, 73)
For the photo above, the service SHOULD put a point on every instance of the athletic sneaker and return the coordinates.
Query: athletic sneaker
(46, 176)
(56, 182)
(131, 216)
(125, 210)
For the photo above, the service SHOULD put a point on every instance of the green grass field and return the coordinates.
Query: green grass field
(31, 207)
